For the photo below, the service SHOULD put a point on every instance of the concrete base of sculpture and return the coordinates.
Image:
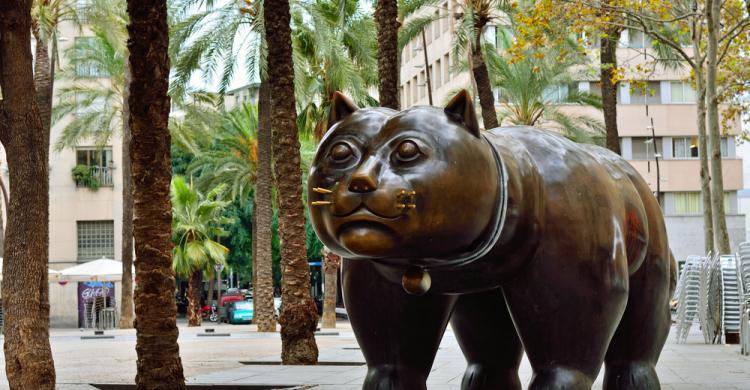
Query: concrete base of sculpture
(520, 238)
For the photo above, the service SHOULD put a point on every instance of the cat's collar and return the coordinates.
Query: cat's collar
(491, 236)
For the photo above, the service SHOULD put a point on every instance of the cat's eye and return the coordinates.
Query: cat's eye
(407, 151)
(341, 152)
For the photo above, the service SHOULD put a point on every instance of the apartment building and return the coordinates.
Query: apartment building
(85, 220)
(668, 100)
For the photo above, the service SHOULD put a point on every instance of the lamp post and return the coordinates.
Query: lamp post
(218, 267)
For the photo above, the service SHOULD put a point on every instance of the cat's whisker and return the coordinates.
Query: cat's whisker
(321, 203)
(321, 190)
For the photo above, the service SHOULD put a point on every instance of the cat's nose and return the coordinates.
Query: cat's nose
(364, 178)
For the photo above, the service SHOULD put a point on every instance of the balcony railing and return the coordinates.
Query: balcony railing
(102, 176)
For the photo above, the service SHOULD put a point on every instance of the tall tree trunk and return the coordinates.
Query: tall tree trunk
(608, 65)
(25, 288)
(194, 298)
(386, 19)
(126, 298)
(299, 316)
(713, 9)
(482, 78)
(158, 364)
(331, 264)
(263, 285)
(708, 228)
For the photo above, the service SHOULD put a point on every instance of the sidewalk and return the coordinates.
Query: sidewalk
(217, 361)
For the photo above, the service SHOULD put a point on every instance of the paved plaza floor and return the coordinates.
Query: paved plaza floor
(219, 360)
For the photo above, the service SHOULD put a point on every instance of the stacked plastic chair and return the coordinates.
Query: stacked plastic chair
(730, 294)
(710, 300)
(743, 273)
(687, 296)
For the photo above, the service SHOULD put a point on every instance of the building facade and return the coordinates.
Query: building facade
(670, 102)
(85, 221)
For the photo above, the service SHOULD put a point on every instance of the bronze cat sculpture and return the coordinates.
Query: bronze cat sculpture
(523, 239)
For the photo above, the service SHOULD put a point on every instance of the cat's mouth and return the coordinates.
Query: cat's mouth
(364, 213)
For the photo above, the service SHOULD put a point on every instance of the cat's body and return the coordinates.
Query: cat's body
(581, 262)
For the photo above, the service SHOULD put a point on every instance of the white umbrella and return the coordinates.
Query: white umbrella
(102, 270)
(53, 275)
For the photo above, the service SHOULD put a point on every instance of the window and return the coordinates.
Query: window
(421, 85)
(682, 92)
(99, 162)
(724, 147)
(556, 93)
(644, 148)
(96, 239)
(595, 88)
(407, 94)
(645, 93)
(638, 40)
(446, 68)
(446, 16)
(86, 68)
(438, 74)
(414, 87)
(431, 74)
(685, 147)
(687, 203)
(82, 9)
(436, 26)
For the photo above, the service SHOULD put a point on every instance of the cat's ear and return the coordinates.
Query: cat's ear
(341, 107)
(461, 110)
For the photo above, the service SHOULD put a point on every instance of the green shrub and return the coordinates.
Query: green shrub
(83, 177)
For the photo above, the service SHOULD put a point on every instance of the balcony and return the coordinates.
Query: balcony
(95, 177)
(684, 175)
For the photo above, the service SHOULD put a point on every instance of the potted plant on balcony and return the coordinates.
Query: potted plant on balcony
(84, 178)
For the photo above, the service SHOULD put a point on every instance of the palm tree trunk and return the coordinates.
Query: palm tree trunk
(713, 8)
(263, 285)
(299, 315)
(194, 298)
(25, 288)
(43, 78)
(386, 19)
(126, 299)
(608, 66)
(482, 78)
(158, 364)
(331, 264)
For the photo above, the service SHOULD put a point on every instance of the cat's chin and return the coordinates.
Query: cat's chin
(368, 239)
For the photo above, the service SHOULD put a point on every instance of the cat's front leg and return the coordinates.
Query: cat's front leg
(399, 333)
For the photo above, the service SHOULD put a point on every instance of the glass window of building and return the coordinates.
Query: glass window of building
(682, 92)
(446, 68)
(643, 93)
(687, 203)
(644, 148)
(685, 147)
(96, 239)
(446, 16)
(86, 68)
(556, 93)
(638, 40)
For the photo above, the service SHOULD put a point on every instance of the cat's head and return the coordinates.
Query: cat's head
(410, 185)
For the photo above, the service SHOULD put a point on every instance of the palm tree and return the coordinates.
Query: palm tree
(99, 105)
(331, 264)
(533, 89)
(196, 221)
(334, 50)
(386, 18)
(158, 361)
(299, 315)
(25, 288)
(472, 17)
(45, 17)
